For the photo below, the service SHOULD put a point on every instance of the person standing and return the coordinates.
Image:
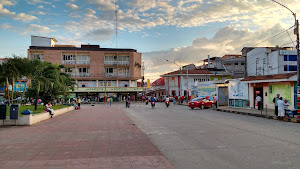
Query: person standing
(216, 99)
(79, 101)
(110, 101)
(258, 101)
(275, 100)
(280, 104)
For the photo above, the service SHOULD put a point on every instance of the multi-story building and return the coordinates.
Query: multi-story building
(271, 60)
(96, 70)
(235, 65)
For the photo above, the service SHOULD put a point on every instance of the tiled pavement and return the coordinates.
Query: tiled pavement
(93, 137)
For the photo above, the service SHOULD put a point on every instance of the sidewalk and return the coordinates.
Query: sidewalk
(93, 137)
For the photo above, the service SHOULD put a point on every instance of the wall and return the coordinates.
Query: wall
(97, 64)
(135, 71)
(40, 41)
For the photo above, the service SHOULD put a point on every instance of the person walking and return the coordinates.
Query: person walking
(110, 101)
(78, 101)
(280, 104)
(258, 101)
(275, 100)
(216, 99)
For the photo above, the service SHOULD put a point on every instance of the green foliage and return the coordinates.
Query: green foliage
(44, 80)
(40, 108)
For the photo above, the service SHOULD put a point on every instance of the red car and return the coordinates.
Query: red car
(201, 102)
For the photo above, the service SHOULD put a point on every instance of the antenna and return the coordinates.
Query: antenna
(116, 11)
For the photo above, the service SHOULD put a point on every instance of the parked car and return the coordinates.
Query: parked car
(201, 102)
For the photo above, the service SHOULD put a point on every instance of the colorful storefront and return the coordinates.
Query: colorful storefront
(267, 87)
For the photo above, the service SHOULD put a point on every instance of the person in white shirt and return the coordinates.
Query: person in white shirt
(280, 109)
(258, 100)
(48, 108)
(216, 99)
(168, 99)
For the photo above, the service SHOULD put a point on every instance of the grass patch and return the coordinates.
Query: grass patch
(40, 109)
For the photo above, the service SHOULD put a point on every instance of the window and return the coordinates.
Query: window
(37, 56)
(236, 63)
(110, 60)
(123, 60)
(83, 70)
(242, 63)
(109, 70)
(68, 59)
(290, 57)
(83, 59)
(290, 68)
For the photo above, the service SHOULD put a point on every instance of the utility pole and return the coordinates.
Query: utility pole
(296, 32)
(187, 84)
(256, 66)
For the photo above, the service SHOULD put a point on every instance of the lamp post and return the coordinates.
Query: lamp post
(296, 32)
(180, 74)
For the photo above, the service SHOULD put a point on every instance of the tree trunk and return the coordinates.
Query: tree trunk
(7, 84)
(12, 91)
(36, 96)
(22, 96)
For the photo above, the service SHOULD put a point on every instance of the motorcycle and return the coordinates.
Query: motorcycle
(152, 105)
(167, 103)
(127, 104)
(146, 102)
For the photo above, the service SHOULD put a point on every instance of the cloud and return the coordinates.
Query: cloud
(5, 26)
(21, 16)
(7, 2)
(37, 28)
(73, 15)
(100, 34)
(41, 7)
(71, 6)
(34, 2)
(228, 40)
(104, 5)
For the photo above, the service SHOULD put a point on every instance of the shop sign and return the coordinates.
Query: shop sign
(109, 89)
(288, 52)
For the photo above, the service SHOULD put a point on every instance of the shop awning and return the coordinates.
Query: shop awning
(271, 78)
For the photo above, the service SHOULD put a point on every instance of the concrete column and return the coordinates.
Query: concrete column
(129, 83)
(117, 83)
(97, 83)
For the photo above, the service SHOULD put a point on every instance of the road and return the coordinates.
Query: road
(193, 139)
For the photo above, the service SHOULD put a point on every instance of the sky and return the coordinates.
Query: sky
(183, 30)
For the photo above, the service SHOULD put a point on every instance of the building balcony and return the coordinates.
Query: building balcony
(124, 74)
(83, 75)
(68, 62)
(83, 62)
(123, 63)
(110, 62)
(111, 74)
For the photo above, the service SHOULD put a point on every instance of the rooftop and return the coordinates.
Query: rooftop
(190, 72)
(270, 77)
(81, 48)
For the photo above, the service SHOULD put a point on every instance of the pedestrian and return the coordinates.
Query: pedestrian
(110, 101)
(275, 100)
(280, 104)
(78, 101)
(216, 99)
(107, 101)
(286, 107)
(49, 109)
(258, 101)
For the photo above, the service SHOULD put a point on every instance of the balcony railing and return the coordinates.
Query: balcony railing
(117, 75)
(111, 74)
(124, 74)
(83, 75)
(68, 62)
(83, 62)
(110, 62)
(123, 62)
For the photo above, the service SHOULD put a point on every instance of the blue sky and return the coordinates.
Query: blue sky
(159, 29)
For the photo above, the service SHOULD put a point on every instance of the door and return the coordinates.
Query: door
(258, 91)
(223, 96)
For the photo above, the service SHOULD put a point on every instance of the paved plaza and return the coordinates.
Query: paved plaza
(93, 137)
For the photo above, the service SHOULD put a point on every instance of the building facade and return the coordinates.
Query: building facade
(97, 71)
(271, 60)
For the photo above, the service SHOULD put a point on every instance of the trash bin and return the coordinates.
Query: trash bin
(3, 108)
(14, 111)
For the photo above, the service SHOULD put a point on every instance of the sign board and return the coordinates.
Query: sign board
(288, 52)
(238, 89)
(239, 103)
(109, 89)
(206, 89)
(283, 89)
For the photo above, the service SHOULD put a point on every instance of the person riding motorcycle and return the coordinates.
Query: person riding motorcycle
(167, 102)
(152, 101)
(147, 100)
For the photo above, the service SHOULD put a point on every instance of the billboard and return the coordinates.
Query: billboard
(283, 89)
(206, 89)
(237, 89)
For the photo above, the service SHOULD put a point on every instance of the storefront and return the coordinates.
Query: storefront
(267, 87)
(117, 93)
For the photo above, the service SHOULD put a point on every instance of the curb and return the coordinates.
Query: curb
(260, 115)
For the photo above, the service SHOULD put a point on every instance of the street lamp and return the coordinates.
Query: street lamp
(296, 32)
(180, 74)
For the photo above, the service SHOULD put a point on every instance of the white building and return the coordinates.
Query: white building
(271, 60)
